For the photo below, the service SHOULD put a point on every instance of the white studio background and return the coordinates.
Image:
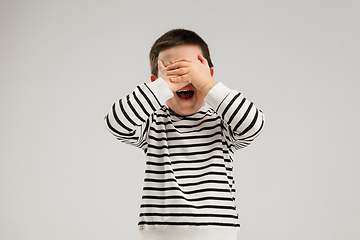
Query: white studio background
(63, 64)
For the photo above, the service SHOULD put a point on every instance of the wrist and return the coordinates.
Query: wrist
(217, 95)
(161, 89)
(207, 87)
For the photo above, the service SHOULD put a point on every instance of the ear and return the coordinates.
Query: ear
(212, 71)
(153, 78)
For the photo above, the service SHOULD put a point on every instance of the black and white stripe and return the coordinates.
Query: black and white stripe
(189, 173)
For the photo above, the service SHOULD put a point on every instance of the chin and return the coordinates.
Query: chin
(186, 106)
(186, 110)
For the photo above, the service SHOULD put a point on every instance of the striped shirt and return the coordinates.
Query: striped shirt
(189, 181)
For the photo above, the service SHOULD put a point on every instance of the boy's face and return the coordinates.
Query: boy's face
(181, 103)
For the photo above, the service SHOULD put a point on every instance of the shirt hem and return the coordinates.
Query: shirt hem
(188, 232)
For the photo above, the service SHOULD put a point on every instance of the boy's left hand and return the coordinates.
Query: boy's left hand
(196, 72)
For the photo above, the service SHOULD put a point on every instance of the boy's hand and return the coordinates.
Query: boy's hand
(192, 71)
(173, 86)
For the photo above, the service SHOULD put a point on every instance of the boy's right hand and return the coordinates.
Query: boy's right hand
(172, 86)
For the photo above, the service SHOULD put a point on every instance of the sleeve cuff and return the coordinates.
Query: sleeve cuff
(217, 95)
(161, 90)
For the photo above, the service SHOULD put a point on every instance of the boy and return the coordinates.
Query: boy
(189, 187)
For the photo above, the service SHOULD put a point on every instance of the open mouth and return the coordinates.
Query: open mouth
(185, 94)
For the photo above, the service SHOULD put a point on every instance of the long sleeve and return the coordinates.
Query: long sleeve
(243, 121)
(128, 119)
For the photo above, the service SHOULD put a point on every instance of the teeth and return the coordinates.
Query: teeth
(184, 91)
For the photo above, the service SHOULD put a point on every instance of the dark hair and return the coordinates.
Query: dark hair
(173, 38)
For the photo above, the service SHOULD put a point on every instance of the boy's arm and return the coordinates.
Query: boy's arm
(128, 119)
(244, 120)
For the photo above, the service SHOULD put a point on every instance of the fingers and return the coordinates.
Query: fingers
(178, 69)
(161, 65)
(202, 60)
(162, 69)
(175, 65)
(178, 72)
(183, 69)
(183, 78)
